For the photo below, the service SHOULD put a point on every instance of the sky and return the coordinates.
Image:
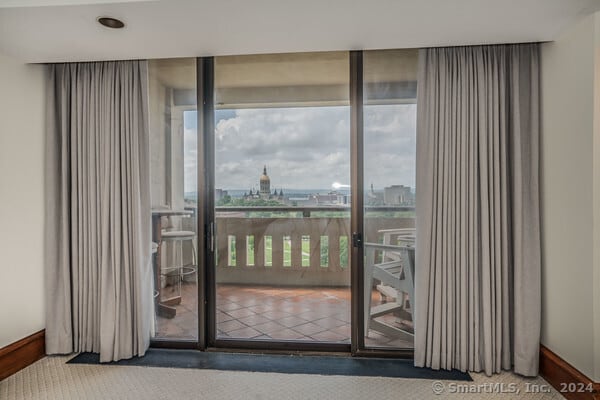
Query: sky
(305, 147)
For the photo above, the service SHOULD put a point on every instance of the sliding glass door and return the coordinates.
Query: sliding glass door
(389, 137)
(282, 173)
(174, 195)
(283, 208)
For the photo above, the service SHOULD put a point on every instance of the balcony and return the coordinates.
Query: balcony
(284, 273)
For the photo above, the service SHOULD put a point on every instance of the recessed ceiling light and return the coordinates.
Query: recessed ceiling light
(111, 22)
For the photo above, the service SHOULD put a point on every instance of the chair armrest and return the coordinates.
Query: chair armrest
(390, 247)
(397, 230)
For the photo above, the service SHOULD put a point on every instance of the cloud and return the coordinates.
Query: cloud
(308, 147)
(390, 145)
(302, 147)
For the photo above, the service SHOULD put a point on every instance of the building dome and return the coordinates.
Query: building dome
(264, 177)
(265, 184)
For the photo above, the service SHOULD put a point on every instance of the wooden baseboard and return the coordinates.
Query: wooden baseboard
(21, 354)
(560, 374)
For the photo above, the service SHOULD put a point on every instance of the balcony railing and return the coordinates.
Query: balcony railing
(295, 246)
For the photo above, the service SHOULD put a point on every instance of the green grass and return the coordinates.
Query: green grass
(287, 252)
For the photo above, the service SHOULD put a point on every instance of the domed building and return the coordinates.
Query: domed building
(264, 192)
(265, 185)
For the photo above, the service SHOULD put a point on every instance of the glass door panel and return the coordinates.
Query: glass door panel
(174, 194)
(282, 174)
(389, 196)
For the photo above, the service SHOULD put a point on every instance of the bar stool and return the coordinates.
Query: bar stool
(178, 271)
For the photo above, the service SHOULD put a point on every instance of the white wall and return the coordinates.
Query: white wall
(21, 199)
(570, 247)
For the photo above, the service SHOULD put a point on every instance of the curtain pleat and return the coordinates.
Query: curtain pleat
(477, 281)
(98, 261)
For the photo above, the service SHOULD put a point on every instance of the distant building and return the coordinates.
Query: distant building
(301, 201)
(331, 198)
(265, 185)
(343, 199)
(373, 198)
(398, 195)
(264, 191)
(219, 194)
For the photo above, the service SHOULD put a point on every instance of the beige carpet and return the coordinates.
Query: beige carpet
(51, 378)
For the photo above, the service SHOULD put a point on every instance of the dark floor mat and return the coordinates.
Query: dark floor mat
(288, 364)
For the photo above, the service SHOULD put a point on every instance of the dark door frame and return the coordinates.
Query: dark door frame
(206, 201)
(357, 207)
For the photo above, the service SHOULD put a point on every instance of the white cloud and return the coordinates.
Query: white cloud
(309, 148)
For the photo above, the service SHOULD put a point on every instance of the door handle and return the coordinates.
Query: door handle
(357, 240)
(210, 239)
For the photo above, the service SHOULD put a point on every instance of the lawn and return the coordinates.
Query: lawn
(287, 251)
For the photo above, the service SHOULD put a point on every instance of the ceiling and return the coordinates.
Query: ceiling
(66, 30)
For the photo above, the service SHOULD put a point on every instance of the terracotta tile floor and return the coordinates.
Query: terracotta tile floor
(266, 312)
(321, 314)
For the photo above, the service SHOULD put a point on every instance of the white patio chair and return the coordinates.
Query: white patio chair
(396, 274)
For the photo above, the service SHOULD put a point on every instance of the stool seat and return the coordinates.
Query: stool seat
(178, 235)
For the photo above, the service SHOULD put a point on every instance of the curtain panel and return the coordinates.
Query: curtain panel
(477, 284)
(98, 234)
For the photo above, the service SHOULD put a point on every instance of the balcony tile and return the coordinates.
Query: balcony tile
(230, 306)
(261, 308)
(291, 321)
(294, 309)
(342, 330)
(286, 334)
(309, 328)
(255, 319)
(223, 317)
(330, 322)
(240, 313)
(275, 315)
(244, 333)
(268, 327)
(261, 312)
(231, 326)
(330, 336)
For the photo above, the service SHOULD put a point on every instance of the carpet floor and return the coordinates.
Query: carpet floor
(52, 378)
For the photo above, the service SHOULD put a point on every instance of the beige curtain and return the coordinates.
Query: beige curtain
(98, 271)
(477, 305)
